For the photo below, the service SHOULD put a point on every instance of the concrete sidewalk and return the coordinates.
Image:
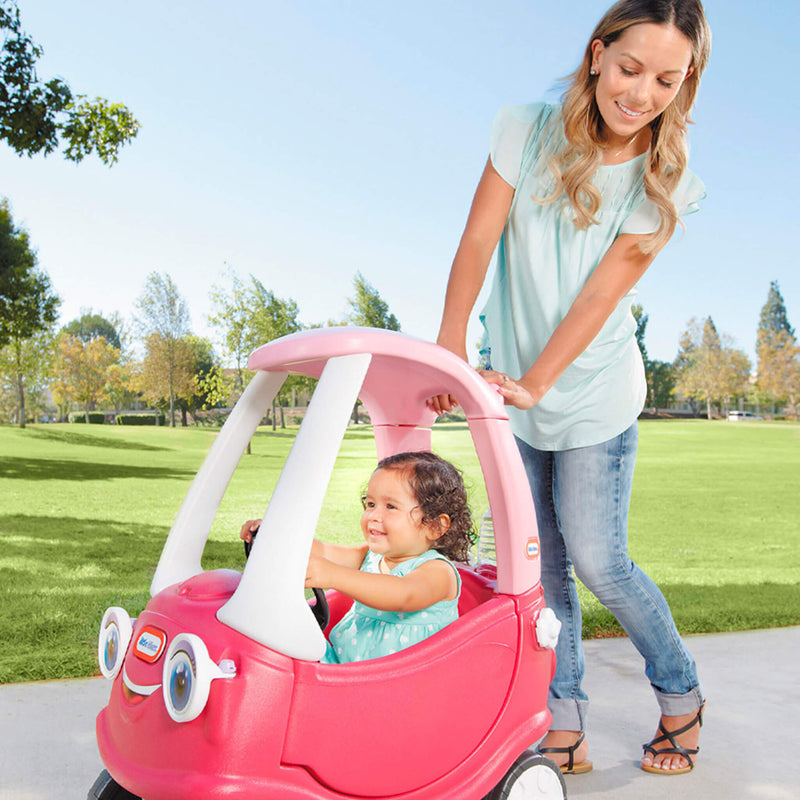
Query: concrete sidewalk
(48, 751)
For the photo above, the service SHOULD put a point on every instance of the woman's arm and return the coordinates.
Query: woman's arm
(427, 584)
(616, 274)
(485, 223)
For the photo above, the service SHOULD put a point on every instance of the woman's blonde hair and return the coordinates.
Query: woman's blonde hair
(574, 166)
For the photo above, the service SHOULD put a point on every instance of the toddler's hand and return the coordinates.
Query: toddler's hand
(318, 573)
(442, 403)
(248, 529)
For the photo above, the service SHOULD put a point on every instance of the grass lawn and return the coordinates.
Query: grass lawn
(84, 511)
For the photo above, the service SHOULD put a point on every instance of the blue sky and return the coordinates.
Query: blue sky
(304, 141)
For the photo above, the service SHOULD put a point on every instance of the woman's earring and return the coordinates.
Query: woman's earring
(593, 71)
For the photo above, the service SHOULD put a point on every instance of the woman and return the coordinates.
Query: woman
(581, 197)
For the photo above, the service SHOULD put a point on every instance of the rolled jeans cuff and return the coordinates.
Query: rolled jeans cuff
(568, 715)
(673, 705)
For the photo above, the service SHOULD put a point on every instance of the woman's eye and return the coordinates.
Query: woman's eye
(666, 84)
(627, 72)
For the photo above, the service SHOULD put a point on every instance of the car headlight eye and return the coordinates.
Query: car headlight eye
(187, 674)
(116, 630)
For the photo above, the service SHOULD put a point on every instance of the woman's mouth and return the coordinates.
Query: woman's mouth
(628, 112)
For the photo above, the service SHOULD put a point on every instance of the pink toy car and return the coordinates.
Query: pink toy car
(217, 691)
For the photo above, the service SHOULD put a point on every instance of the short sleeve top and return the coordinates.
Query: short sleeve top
(543, 261)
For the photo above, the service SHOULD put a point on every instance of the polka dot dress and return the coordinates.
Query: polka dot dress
(365, 632)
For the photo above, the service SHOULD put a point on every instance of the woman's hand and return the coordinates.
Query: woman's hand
(248, 529)
(514, 393)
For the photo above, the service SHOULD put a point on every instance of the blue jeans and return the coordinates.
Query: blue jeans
(582, 498)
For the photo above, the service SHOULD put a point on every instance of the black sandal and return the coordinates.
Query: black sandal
(675, 749)
(570, 768)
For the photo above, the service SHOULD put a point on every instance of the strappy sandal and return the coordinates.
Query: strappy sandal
(570, 768)
(675, 749)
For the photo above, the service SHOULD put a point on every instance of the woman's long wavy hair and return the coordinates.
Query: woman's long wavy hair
(574, 166)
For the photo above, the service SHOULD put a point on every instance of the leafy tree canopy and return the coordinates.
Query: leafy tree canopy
(92, 326)
(39, 116)
(27, 302)
(368, 308)
(774, 319)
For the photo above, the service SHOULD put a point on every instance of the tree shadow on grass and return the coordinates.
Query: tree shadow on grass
(88, 440)
(58, 575)
(47, 469)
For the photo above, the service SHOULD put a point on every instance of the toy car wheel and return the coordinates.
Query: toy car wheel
(531, 777)
(106, 788)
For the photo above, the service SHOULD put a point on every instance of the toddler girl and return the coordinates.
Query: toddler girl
(405, 588)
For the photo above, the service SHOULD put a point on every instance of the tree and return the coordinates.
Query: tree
(708, 366)
(776, 348)
(660, 383)
(25, 371)
(203, 364)
(773, 319)
(164, 321)
(93, 326)
(248, 316)
(28, 305)
(367, 308)
(81, 371)
(232, 318)
(641, 326)
(41, 116)
(166, 371)
(779, 369)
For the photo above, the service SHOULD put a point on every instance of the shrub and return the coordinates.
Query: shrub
(95, 417)
(140, 419)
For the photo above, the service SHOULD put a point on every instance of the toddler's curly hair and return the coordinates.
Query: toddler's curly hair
(439, 489)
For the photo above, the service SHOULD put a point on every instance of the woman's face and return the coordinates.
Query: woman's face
(639, 75)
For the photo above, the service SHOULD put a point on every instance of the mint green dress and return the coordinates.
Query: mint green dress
(365, 632)
(543, 262)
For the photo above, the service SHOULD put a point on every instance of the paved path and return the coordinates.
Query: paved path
(48, 752)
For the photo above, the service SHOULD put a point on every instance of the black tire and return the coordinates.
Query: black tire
(106, 788)
(534, 777)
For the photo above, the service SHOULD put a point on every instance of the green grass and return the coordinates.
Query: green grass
(84, 511)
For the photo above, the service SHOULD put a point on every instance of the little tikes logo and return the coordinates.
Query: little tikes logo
(150, 644)
(532, 549)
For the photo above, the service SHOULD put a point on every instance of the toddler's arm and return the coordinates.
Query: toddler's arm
(427, 584)
(339, 554)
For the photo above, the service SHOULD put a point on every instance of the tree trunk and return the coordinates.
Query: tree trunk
(21, 398)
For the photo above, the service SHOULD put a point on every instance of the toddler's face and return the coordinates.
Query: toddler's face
(392, 519)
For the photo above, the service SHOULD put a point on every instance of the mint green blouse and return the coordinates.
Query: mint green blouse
(543, 261)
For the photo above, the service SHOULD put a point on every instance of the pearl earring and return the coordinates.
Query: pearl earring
(593, 71)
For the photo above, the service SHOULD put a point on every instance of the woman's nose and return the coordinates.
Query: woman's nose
(640, 91)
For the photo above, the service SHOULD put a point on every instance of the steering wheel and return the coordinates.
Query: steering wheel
(320, 609)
